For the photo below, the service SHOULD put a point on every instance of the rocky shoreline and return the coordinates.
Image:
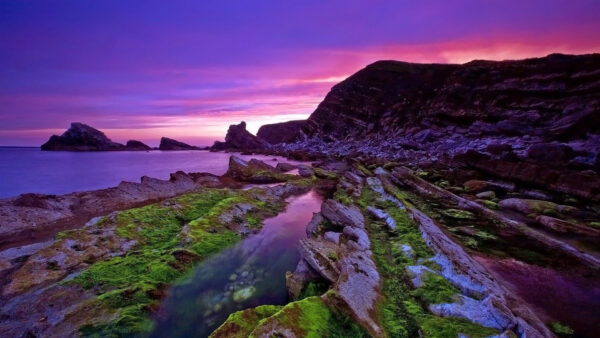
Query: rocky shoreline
(459, 201)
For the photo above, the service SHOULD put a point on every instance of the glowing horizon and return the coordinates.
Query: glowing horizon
(189, 71)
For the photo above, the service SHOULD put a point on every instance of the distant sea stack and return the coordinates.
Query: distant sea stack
(170, 144)
(239, 139)
(137, 145)
(81, 137)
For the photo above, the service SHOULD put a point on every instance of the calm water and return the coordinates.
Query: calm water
(249, 274)
(24, 170)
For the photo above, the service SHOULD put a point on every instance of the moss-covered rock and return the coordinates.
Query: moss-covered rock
(169, 238)
(240, 324)
(458, 214)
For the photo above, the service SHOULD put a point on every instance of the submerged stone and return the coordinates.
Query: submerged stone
(243, 294)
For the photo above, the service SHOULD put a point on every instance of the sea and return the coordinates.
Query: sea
(30, 170)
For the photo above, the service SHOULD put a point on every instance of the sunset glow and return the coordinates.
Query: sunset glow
(146, 72)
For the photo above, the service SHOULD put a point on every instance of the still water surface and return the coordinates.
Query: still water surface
(25, 170)
(249, 274)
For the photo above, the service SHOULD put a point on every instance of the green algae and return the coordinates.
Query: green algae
(343, 197)
(403, 309)
(489, 204)
(325, 174)
(241, 323)
(561, 330)
(363, 169)
(312, 318)
(313, 288)
(435, 290)
(458, 214)
(164, 253)
(307, 318)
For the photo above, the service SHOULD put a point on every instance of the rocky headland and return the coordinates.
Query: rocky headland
(459, 201)
(81, 137)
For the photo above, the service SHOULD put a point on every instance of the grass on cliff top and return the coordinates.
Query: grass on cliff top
(133, 284)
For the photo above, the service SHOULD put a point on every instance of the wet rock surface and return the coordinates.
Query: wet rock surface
(254, 171)
(33, 217)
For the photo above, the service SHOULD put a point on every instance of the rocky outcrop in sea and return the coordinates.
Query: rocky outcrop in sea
(171, 144)
(239, 139)
(81, 137)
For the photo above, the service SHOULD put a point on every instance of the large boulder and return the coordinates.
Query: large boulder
(528, 206)
(81, 137)
(238, 138)
(562, 226)
(343, 215)
(171, 144)
(254, 171)
(579, 183)
(555, 153)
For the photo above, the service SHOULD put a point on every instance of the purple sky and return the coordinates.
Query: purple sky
(188, 69)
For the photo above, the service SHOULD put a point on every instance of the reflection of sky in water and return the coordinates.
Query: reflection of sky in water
(61, 172)
(256, 266)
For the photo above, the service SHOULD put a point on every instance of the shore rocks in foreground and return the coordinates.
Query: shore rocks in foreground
(254, 171)
(37, 217)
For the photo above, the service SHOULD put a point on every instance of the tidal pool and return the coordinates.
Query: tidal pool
(248, 274)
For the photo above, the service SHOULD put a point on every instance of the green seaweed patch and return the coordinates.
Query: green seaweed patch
(241, 323)
(561, 330)
(311, 318)
(313, 288)
(435, 290)
(458, 214)
(325, 174)
(131, 322)
(403, 310)
(364, 170)
(132, 284)
(489, 204)
(343, 197)
(595, 225)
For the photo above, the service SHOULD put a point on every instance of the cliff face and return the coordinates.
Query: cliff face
(284, 132)
(539, 117)
(556, 97)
